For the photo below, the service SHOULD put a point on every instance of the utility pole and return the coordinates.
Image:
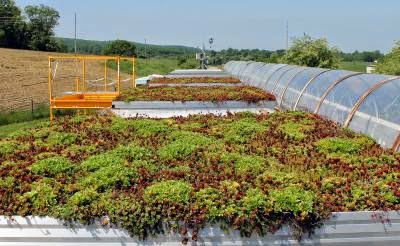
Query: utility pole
(145, 48)
(75, 35)
(287, 36)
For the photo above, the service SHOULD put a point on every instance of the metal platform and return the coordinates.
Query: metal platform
(84, 101)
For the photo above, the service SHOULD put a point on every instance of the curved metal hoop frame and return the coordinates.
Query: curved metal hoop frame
(290, 82)
(306, 86)
(363, 97)
(270, 76)
(258, 66)
(280, 77)
(331, 87)
(243, 68)
(396, 144)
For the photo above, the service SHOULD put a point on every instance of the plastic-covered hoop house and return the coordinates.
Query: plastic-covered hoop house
(367, 103)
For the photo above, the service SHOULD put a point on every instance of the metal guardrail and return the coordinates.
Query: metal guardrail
(346, 228)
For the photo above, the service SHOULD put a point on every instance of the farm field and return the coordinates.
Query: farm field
(249, 172)
(24, 76)
(356, 66)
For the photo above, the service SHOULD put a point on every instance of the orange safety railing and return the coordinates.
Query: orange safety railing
(71, 88)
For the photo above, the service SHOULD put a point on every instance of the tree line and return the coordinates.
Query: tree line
(30, 28)
(141, 50)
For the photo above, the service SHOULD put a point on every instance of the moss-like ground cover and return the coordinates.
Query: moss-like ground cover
(189, 80)
(248, 172)
(198, 93)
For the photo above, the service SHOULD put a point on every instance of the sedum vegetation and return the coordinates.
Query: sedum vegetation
(248, 172)
(198, 93)
(189, 80)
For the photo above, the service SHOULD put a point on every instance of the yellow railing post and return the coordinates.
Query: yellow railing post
(84, 75)
(105, 75)
(133, 73)
(118, 76)
(50, 91)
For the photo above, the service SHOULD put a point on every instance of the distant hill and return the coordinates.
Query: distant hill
(96, 47)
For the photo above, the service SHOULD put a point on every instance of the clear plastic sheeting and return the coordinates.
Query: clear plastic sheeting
(295, 88)
(315, 90)
(344, 95)
(367, 103)
(378, 114)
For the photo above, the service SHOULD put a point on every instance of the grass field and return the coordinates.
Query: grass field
(357, 66)
(6, 130)
(145, 67)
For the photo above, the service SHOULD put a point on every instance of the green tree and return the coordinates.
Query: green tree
(390, 64)
(13, 29)
(42, 21)
(306, 51)
(120, 48)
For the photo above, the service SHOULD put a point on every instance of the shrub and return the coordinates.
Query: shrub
(292, 199)
(168, 191)
(53, 166)
(310, 52)
(120, 48)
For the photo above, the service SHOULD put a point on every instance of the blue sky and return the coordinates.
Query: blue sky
(347, 24)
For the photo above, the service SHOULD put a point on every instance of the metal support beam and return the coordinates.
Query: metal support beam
(270, 76)
(306, 86)
(289, 83)
(363, 97)
(280, 77)
(331, 87)
(396, 144)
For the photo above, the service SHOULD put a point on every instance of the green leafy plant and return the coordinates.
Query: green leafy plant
(171, 191)
(294, 131)
(254, 199)
(339, 146)
(183, 145)
(293, 199)
(242, 130)
(53, 166)
(42, 195)
(61, 138)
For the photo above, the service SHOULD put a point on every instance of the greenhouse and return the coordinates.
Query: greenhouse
(366, 103)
